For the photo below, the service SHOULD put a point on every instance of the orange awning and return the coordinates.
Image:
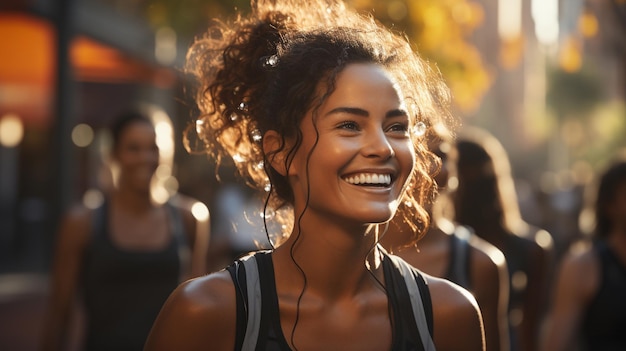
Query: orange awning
(28, 63)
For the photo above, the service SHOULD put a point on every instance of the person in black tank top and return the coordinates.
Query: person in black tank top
(326, 112)
(588, 308)
(486, 201)
(122, 259)
(269, 335)
(456, 253)
(124, 289)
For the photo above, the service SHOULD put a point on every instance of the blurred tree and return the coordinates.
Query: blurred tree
(439, 30)
(618, 8)
(581, 98)
(578, 101)
(189, 17)
(610, 34)
(573, 94)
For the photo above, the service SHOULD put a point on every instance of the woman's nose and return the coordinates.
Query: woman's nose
(377, 145)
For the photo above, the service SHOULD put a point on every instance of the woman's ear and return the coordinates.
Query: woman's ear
(274, 148)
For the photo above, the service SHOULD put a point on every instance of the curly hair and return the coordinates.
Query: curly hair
(265, 71)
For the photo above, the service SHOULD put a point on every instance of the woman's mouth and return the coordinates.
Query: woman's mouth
(369, 179)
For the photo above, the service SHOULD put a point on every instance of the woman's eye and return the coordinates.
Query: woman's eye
(398, 127)
(348, 125)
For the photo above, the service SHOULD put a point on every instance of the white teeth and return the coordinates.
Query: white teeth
(370, 178)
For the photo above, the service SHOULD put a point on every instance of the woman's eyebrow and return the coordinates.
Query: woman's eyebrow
(396, 113)
(361, 112)
(349, 110)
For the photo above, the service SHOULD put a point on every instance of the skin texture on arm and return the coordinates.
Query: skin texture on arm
(200, 313)
(491, 289)
(577, 281)
(72, 240)
(458, 323)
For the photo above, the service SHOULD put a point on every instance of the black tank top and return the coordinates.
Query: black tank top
(406, 335)
(460, 257)
(604, 326)
(124, 289)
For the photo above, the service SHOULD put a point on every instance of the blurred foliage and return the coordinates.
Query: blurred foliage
(190, 17)
(573, 94)
(590, 125)
(438, 29)
(598, 137)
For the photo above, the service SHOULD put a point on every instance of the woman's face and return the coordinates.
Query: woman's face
(137, 155)
(357, 154)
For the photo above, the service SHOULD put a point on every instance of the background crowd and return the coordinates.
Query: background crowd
(540, 91)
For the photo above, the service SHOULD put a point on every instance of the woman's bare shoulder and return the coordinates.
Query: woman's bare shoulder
(455, 312)
(78, 215)
(206, 292)
(580, 260)
(446, 294)
(486, 254)
(200, 313)
(75, 228)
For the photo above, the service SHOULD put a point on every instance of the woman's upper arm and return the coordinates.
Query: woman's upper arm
(199, 315)
(72, 239)
(576, 282)
(491, 289)
(455, 312)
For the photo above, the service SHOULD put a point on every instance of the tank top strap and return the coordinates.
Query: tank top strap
(247, 272)
(179, 237)
(177, 227)
(419, 296)
(100, 222)
(245, 275)
(459, 269)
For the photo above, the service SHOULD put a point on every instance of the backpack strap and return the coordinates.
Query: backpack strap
(417, 300)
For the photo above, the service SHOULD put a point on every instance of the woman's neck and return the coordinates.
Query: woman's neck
(134, 201)
(334, 261)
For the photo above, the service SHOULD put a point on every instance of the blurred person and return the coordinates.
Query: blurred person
(454, 252)
(485, 200)
(324, 110)
(238, 228)
(122, 259)
(588, 305)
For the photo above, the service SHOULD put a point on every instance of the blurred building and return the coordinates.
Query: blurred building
(66, 69)
(543, 56)
(557, 100)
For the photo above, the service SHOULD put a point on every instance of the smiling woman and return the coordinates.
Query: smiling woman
(356, 137)
(328, 112)
(121, 259)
